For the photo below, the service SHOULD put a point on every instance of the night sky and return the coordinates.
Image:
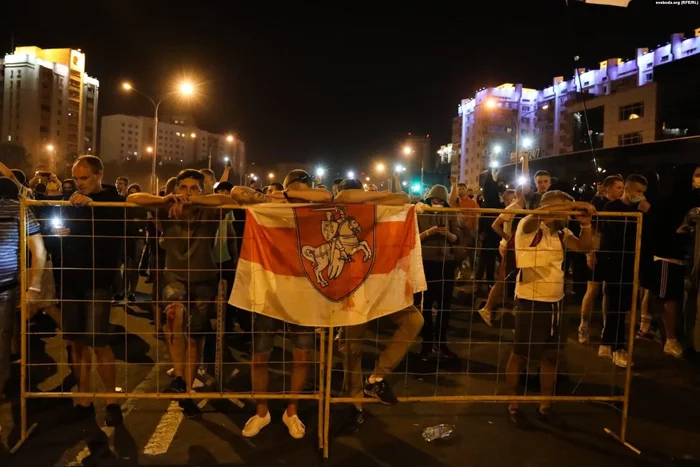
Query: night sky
(327, 84)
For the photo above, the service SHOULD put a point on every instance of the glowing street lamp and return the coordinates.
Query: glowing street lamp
(229, 138)
(380, 167)
(527, 142)
(271, 175)
(367, 179)
(320, 171)
(186, 89)
(400, 168)
(149, 149)
(50, 148)
(407, 150)
(490, 103)
(351, 174)
(497, 149)
(193, 135)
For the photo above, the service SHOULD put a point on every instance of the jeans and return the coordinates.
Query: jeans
(8, 310)
(440, 277)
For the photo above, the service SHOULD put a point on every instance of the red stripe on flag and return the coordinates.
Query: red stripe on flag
(276, 249)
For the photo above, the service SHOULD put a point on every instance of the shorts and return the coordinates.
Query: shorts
(200, 298)
(669, 281)
(265, 329)
(537, 329)
(85, 315)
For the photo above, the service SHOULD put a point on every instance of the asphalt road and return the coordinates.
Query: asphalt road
(665, 405)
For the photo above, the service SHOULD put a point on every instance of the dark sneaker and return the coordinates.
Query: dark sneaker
(426, 351)
(518, 418)
(189, 408)
(131, 298)
(113, 415)
(382, 391)
(81, 412)
(177, 386)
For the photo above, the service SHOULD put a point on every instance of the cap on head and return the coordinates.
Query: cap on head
(350, 184)
(223, 186)
(21, 178)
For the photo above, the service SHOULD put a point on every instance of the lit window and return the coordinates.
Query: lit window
(632, 111)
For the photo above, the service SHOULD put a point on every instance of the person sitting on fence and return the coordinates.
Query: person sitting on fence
(91, 252)
(10, 267)
(409, 320)
(617, 254)
(614, 187)
(539, 251)
(297, 189)
(189, 233)
(503, 226)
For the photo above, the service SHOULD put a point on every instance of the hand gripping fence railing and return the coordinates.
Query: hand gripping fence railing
(466, 339)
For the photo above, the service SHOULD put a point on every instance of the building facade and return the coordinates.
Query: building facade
(48, 104)
(620, 100)
(126, 137)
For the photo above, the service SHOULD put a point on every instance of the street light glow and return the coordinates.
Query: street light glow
(320, 171)
(271, 175)
(226, 159)
(490, 103)
(522, 180)
(126, 86)
(351, 174)
(497, 149)
(149, 149)
(186, 88)
(193, 135)
(545, 107)
(367, 179)
(400, 168)
(404, 183)
(380, 167)
(229, 138)
(49, 147)
(493, 165)
(407, 150)
(527, 142)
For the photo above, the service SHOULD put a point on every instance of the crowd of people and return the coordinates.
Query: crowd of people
(83, 260)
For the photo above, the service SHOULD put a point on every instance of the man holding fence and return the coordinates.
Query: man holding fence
(540, 241)
(91, 251)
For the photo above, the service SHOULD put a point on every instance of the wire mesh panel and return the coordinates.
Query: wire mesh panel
(502, 312)
(134, 293)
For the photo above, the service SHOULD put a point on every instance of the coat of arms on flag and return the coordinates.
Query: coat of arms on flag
(328, 264)
(336, 245)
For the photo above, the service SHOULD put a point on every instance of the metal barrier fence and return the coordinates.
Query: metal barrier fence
(474, 361)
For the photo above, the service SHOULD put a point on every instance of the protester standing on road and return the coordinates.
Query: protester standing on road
(10, 267)
(91, 255)
(539, 251)
(614, 188)
(122, 186)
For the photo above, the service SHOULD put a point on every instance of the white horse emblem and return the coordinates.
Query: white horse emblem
(341, 245)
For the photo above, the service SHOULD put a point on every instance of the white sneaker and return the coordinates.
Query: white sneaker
(197, 384)
(296, 428)
(583, 333)
(620, 358)
(486, 316)
(604, 351)
(255, 424)
(673, 348)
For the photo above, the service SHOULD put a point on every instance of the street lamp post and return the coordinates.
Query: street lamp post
(517, 132)
(185, 89)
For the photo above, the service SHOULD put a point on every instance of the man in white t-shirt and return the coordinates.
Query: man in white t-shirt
(540, 241)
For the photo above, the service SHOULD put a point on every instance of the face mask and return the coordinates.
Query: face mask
(696, 183)
(635, 199)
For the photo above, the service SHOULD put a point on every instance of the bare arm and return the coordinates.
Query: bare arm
(245, 195)
(313, 195)
(6, 172)
(146, 199)
(497, 227)
(453, 191)
(362, 196)
(224, 176)
(526, 176)
(211, 200)
(38, 251)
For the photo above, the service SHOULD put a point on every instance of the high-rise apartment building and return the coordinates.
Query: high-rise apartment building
(127, 137)
(620, 98)
(48, 104)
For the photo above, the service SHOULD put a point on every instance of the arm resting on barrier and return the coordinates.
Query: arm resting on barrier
(146, 200)
(372, 197)
(245, 195)
(35, 243)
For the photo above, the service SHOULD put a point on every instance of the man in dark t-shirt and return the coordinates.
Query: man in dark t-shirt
(616, 261)
(91, 253)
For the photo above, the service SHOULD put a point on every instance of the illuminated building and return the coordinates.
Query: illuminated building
(127, 137)
(621, 99)
(47, 100)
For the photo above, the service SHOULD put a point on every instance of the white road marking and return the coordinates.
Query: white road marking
(163, 436)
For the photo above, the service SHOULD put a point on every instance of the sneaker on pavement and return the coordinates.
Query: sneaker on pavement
(620, 358)
(131, 298)
(382, 391)
(486, 316)
(295, 426)
(583, 333)
(255, 424)
(113, 415)
(604, 351)
(189, 408)
(673, 348)
(177, 385)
